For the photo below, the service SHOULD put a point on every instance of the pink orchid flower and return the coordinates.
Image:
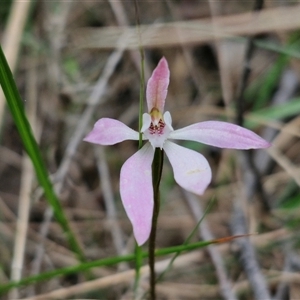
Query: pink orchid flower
(191, 169)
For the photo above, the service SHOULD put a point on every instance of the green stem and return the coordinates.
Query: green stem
(142, 92)
(157, 166)
(142, 82)
(138, 249)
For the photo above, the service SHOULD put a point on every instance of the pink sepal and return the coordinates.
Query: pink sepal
(157, 86)
(137, 192)
(109, 132)
(220, 134)
(191, 169)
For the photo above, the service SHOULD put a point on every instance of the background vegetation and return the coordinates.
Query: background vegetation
(77, 61)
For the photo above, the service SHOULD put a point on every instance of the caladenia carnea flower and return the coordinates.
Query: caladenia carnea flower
(191, 169)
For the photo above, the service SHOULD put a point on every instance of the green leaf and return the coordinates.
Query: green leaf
(292, 49)
(15, 105)
(276, 112)
(261, 91)
(291, 204)
(270, 82)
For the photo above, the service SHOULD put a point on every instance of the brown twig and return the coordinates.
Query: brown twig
(108, 197)
(204, 231)
(248, 257)
(194, 32)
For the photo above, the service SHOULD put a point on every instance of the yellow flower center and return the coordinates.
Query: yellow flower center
(156, 116)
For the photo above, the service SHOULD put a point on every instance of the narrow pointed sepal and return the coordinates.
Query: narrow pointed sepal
(157, 86)
(137, 192)
(220, 134)
(108, 131)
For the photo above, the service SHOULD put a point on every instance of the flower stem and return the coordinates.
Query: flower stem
(142, 83)
(157, 166)
(138, 249)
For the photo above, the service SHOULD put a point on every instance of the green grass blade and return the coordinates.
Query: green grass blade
(290, 50)
(99, 263)
(267, 86)
(15, 105)
(276, 112)
(260, 92)
(186, 242)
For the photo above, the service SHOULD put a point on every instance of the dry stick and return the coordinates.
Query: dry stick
(122, 20)
(258, 5)
(204, 231)
(195, 32)
(225, 79)
(94, 100)
(12, 39)
(106, 187)
(227, 97)
(283, 289)
(294, 260)
(285, 163)
(57, 14)
(10, 157)
(286, 89)
(178, 290)
(254, 175)
(248, 257)
(187, 54)
(26, 182)
(253, 181)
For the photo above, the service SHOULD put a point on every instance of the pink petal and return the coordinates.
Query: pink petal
(137, 192)
(191, 169)
(109, 132)
(157, 86)
(220, 134)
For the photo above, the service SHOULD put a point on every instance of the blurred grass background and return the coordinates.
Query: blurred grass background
(77, 61)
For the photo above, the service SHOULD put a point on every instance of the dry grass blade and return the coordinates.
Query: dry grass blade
(248, 255)
(122, 19)
(12, 38)
(116, 231)
(205, 233)
(285, 163)
(191, 32)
